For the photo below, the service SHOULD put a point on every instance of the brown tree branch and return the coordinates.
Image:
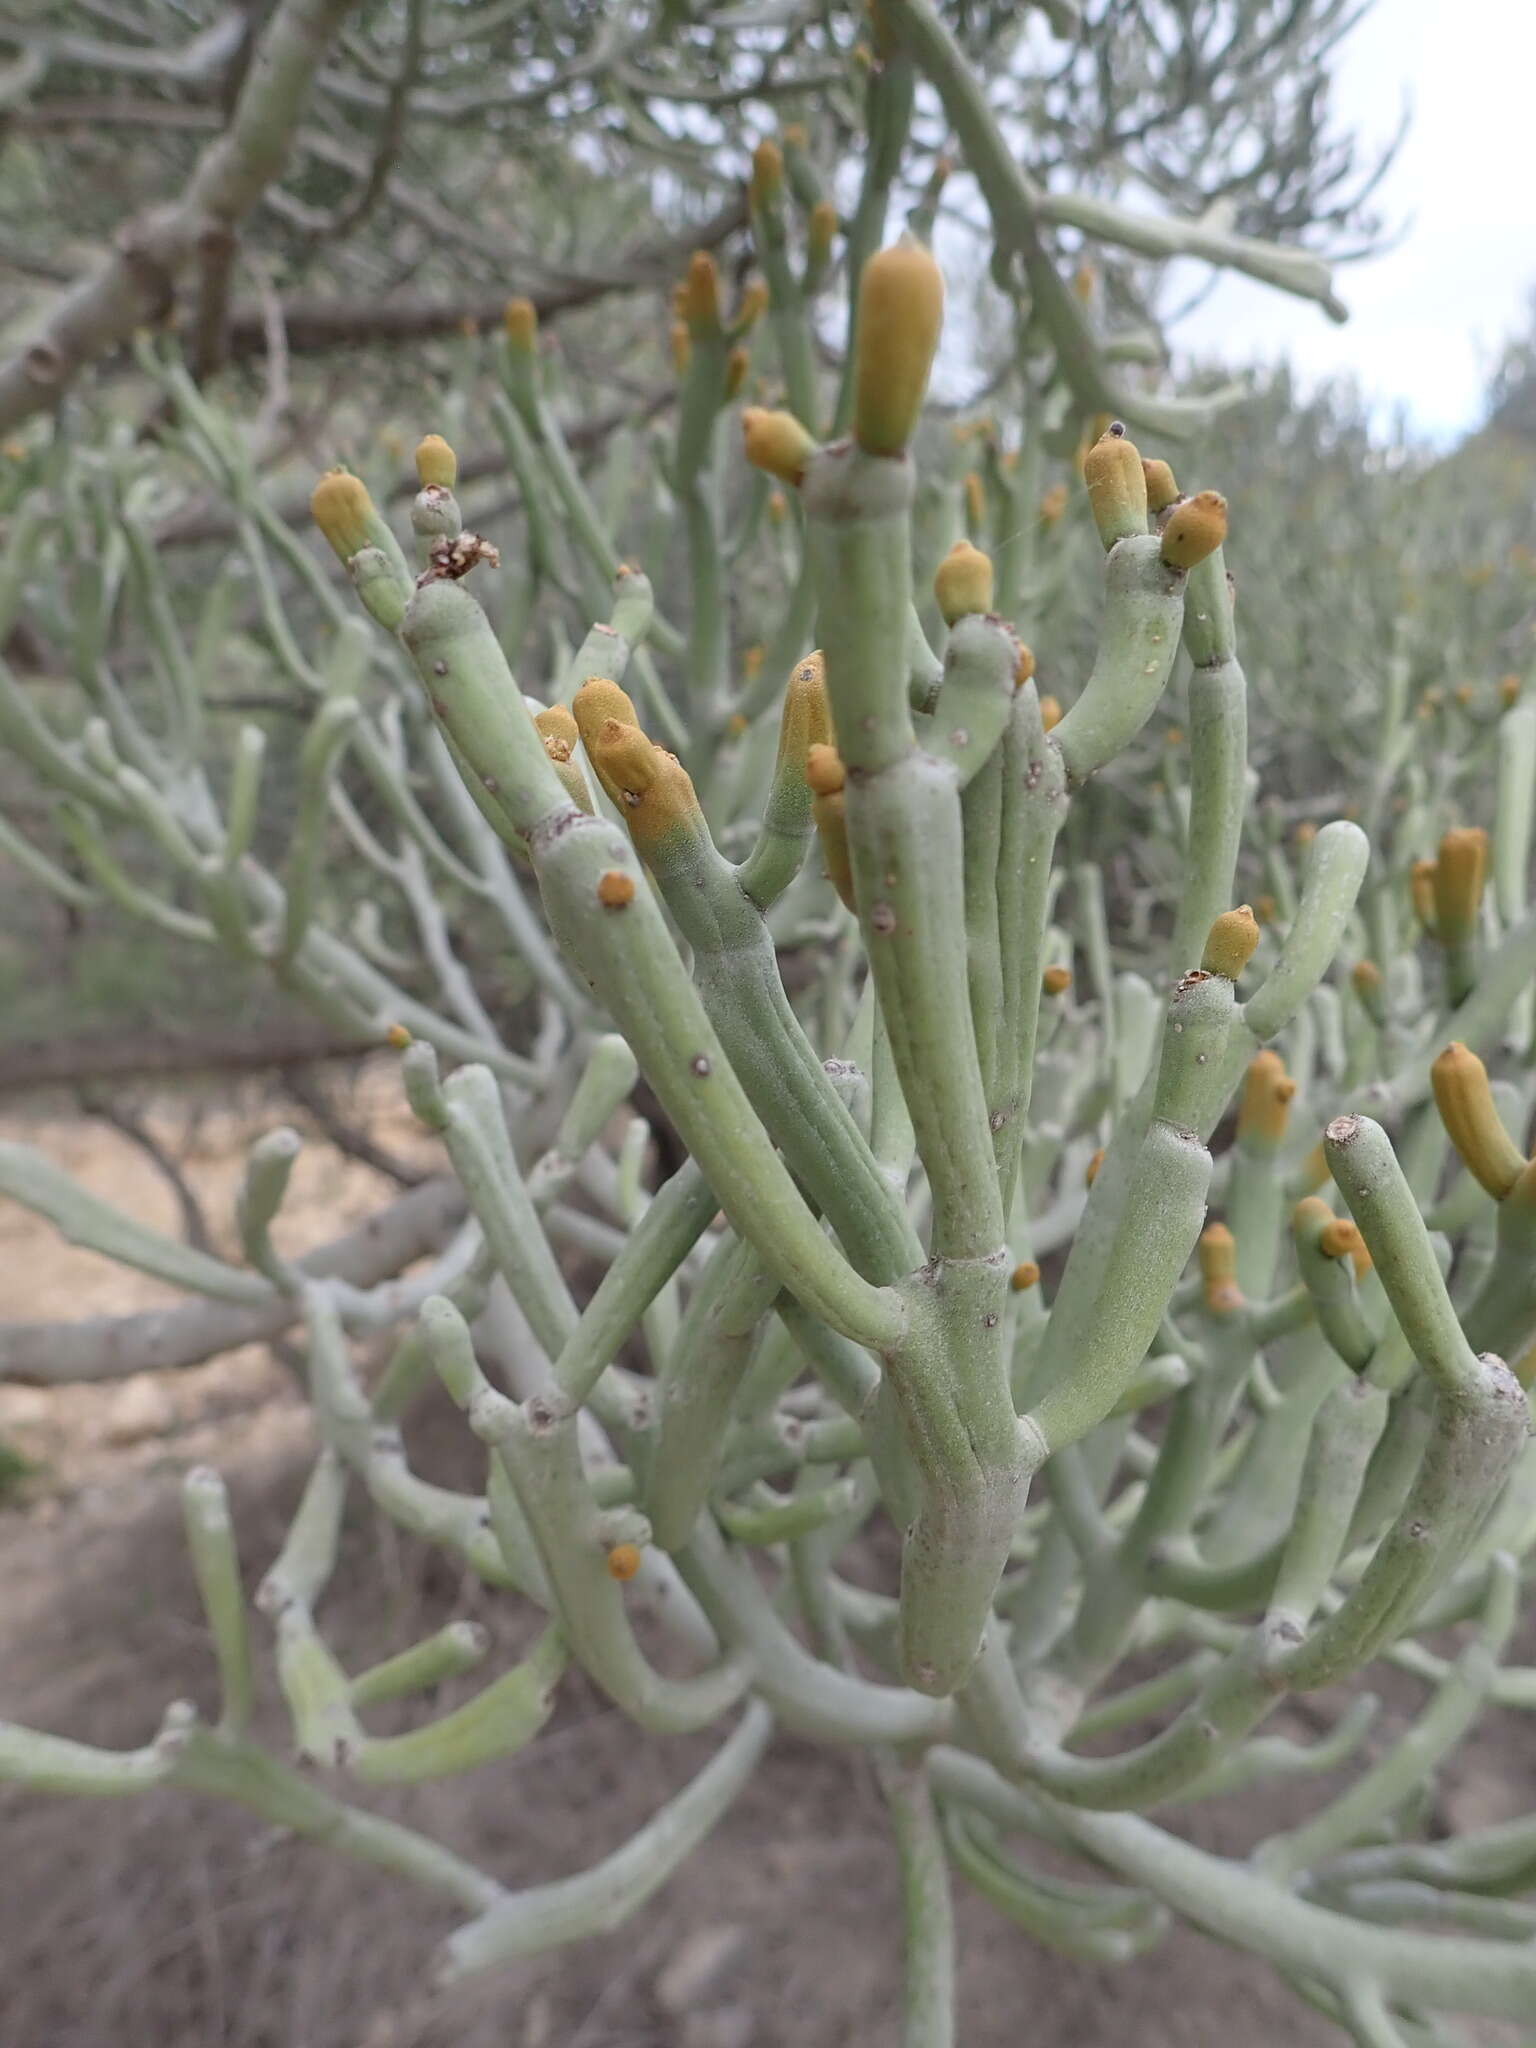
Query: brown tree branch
(136, 282)
(118, 1117)
(115, 1056)
(314, 324)
(390, 134)
(210, 321)
(309, 1091)
(107, 1347)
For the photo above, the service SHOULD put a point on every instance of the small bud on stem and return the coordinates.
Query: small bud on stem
(776, 443)
(1231, 942)
(1117, 485)
(436, 463)
(1472, 1121)
(901, 310)
(1195, 529)
(963, 583)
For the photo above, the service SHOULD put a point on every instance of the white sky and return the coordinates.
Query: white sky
(1426, 319)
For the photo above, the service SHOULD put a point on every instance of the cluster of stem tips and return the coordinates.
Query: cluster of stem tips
(1147, 1269)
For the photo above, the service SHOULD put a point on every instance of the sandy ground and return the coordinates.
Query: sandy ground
(162, 1919)
(153, 1422)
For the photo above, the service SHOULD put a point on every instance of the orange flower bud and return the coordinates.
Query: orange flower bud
(1266, 1101)
(901, 310)
(1196, 528)
(1421, 887)
(597, 699)
(651, 787)
(436, 463)
(963, 583)
(1340, 1239)
(1230, 943)
(558, 727)
(820, 232)
(520, 319)
(767, 173)
(1216, 1255)
(1117, 485)
(701, 293)
(776, 442)
(1162, 491)
(805, 724)
(1472, 1121)
(342, 509)
(825, 775)
(1459, 874)
(824, 770)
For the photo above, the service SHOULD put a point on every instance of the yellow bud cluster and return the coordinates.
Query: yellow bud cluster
(901, 310)
(1216, 1255)
(1162, 491)
(1196, 528)
(650, 787)
(776, 443)
(820, 231)
(436, 464)
(806, 720)
(699, 294)
(1472, 1121)
(521, 320)
(963, 583)
(826, 776)
(1230, 943)
(1117, 485)
(1460, 870)
(767, 173)
(342, 509)
(1266, 1101)
(558, 730)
